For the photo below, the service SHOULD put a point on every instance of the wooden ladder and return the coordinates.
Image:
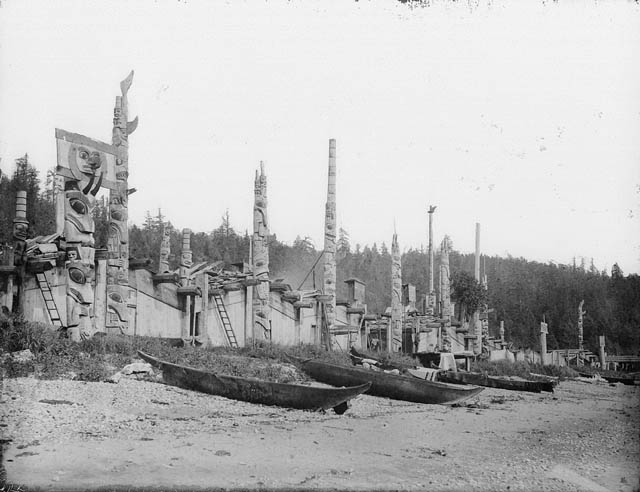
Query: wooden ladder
(49, 301)
(226, 322)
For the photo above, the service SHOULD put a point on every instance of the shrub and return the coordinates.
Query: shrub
(17, 334)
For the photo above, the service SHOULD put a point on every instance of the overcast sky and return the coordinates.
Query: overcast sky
(522, 116)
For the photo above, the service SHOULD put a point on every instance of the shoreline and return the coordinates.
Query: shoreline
(78, 435)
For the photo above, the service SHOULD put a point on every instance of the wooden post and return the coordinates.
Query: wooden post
(203, 326)
(248, 314)
(20, 231)
(165, 250)
(603, 355)
(502, 331)
(118, 241)
(100, 305)
(580, 329)
(431, 294)
(477, 325)
(260, 258)
(329, 277)
(394, 333)
(543, 342)
(445, 286)
(186, 261)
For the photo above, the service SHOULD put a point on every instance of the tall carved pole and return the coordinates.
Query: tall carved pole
(260, 258)
(394, 333)
(484, 308)
(118, 243)
(20, 228)
(84, 166)
(20, 231)
(329, 279)
(165, 250)
(581, 313)
(186, 262)
(186, 258)
(445, 287)
(431, 294)
(477, 325)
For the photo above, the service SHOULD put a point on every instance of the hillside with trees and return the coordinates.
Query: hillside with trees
(520, 292)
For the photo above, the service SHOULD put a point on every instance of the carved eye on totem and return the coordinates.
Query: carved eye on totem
(92, 159)
(77, 275)
(78, 206)
(115, 297)
(117, 215)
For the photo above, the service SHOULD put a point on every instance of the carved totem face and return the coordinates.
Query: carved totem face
(88, 166)
(79, 294)
(88, 160)
(78, 221)
(186, 259)
(20, 230)
(117, 311)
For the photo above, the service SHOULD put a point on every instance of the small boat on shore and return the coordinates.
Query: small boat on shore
(393, 386)
(478, 379)
(254, 390)
(629, 380)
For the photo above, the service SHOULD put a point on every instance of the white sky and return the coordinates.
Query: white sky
(522, 116)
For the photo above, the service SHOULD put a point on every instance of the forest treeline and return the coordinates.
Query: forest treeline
(520, 292)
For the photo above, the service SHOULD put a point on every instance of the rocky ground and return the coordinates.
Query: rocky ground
(73, 435)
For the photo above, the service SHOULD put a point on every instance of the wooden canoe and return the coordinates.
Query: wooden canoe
(629, 380)
(254, 390)
(389, 385)
(495, 381)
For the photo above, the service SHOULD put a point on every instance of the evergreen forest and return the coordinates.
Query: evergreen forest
(520, 292)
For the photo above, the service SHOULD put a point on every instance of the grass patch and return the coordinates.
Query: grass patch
(99, 357)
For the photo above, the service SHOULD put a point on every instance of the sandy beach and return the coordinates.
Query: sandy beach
(74, 435)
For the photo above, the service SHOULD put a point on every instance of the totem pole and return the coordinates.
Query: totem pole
(484, 312)
(581, 313)
(20, 230)
(260, 260)
(186, 258)
(394, 333)
(431, 294)
(329, 278)
(85, 166)
(186, 262)
(477, 324)
(445, 287)
(165, 250)
(118, 242)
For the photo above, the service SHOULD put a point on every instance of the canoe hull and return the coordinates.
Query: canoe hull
(390, 385)
(495, 382)
(255, 390)
(610, 379)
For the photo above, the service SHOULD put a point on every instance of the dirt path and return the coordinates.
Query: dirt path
(67, 434)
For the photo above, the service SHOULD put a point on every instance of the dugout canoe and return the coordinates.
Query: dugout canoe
(254, 390)
(629, 380)
(478, 379)
(397, 387)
